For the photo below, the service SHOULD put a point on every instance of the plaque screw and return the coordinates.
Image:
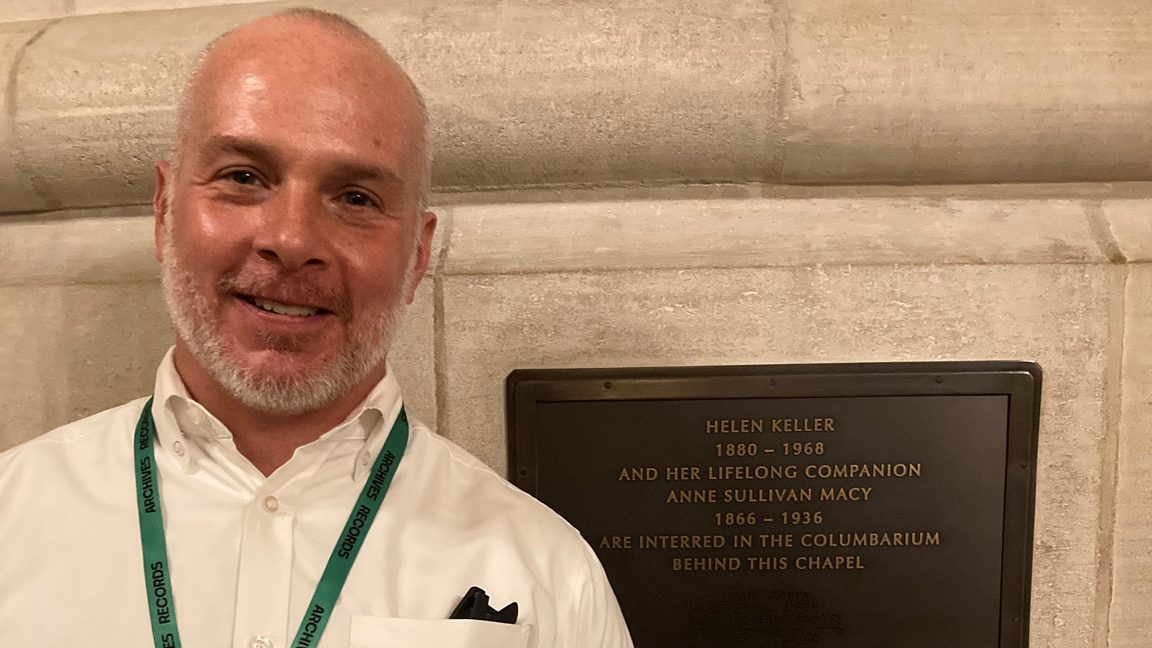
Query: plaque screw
(607, 384)
(523, 472)
(939, 379)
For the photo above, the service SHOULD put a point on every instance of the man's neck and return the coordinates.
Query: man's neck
(267, 440)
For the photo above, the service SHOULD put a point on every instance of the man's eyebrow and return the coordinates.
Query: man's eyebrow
(239, 145)
(359, 171)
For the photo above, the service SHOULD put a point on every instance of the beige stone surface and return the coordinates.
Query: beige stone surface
(84, 7)
(1053, 314)
(757, 233)
(509, 87)
(70, 351)
(16, 188)
(643, 93)
(917, 92)
(94, 246)
(20, 10)
(1131, 617)
(578, 92)
(1130, 222)
(413, 356)
(96, 100)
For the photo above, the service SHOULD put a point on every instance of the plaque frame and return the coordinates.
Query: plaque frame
(1021, 381)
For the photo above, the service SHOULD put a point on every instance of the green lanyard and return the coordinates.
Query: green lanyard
(161, 603)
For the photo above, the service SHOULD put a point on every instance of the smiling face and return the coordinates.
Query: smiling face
(291, 234)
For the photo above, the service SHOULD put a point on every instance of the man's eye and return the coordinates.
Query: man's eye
(243, 177)
(358, 199)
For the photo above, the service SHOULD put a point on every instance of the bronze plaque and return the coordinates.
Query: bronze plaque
(815, 506)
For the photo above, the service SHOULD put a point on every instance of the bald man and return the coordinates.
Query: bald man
(271, 491)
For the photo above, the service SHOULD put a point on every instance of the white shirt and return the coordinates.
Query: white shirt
(247, 550)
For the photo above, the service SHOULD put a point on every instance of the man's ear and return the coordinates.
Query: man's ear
(426, 223)
(160, 205)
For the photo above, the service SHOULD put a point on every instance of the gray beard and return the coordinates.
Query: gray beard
(193, 319)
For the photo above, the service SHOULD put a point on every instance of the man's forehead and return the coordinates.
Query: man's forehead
(305, 90)
(300, 47)
(293, 65)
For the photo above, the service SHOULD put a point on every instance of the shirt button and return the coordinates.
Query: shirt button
(364, 459)
(260, 641)
(270, 504)
(195, 417)
(178, 448)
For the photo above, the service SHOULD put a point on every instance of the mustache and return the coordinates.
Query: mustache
(286, 289)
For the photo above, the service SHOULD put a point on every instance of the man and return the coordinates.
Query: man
(272, 492)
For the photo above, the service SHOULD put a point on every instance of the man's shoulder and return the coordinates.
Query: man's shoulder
(461, 471)
(477, 493)
(98, 428)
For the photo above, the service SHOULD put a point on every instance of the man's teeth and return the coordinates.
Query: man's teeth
(284, 309)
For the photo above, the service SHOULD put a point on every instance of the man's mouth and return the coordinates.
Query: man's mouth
(283, 309)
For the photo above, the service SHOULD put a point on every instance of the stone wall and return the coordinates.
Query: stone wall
(617, 186)
(636, 92)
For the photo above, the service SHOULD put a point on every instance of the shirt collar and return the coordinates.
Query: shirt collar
(179, 417)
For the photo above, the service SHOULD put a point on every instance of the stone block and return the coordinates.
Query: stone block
(1131, 614)
(70, 351)
(94, 246)
(17, 191)
(764, 233)
(97, 100)
(909, 92)
(86, 7)
(524, 94)
(413, 355)
(1131, 226)
(641, 93)
(21, 10)
(1056, 315)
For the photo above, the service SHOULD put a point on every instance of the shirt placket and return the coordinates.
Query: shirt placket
(265, 571)
(264, 586)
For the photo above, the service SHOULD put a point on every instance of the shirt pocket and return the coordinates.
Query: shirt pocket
(383, 632)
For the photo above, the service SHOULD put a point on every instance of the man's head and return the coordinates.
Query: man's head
(290, 223)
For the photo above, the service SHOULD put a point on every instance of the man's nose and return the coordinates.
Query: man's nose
(290, 233)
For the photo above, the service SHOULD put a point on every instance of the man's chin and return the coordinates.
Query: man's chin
(285, 370)
(284, 392)
(288, 374)
(282, 355)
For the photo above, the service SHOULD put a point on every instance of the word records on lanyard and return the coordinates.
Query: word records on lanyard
(161, 600)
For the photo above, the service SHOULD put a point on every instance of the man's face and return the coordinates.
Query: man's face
(291, 235)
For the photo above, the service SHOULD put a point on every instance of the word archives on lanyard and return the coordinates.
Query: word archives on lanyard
(161, 601)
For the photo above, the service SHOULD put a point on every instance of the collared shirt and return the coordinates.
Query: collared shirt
(247, 550)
